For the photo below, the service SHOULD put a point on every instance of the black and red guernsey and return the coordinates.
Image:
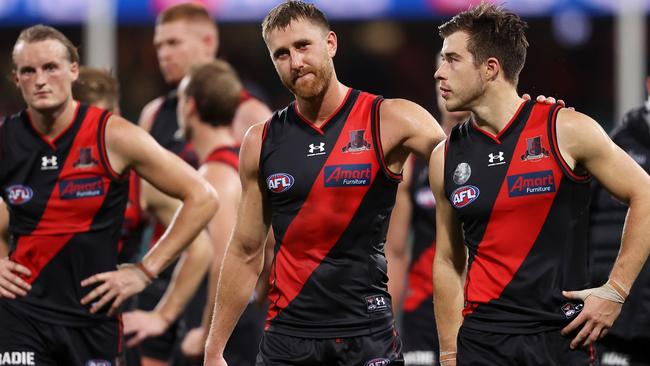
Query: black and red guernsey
(66, 209)
(418, 316)
(228, 155)
(331, 196)
(524, 214)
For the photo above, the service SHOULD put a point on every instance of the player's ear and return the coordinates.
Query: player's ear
(492, 68)
(74, 71)
(332, 43)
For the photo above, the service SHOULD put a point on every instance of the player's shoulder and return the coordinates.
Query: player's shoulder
(149, 112)
(574, 124)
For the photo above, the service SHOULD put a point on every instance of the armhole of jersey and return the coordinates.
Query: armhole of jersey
(376, 135)
(154, 117)
(264, 132)
(137, 191)
(555, 149)
(103, 154)
(444, 162)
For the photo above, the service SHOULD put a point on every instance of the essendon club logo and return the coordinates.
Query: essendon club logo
(464, 195)
(85, 159)
(71, 189)
(357, 142)
(19, 194)
(279, 182)
(531, 183)
(534, 149)
(348, 175)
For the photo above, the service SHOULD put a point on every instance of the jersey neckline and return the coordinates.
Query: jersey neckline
(321, 129)
(498, 137)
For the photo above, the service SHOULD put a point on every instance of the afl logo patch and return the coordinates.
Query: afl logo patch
(279, 182)
(462, 173)
(19, 194)
(465, 195)
(378, 362)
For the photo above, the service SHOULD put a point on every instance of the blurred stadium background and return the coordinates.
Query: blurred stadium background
(592, 53)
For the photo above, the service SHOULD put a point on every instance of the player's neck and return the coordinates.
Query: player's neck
(496, 109)
(320, 108)
(52, 123)
(206, 139)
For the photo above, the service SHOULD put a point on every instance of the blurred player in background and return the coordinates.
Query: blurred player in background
(627, 341)
(185, 35)
(64, 175)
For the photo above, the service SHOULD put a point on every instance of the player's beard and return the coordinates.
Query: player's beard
(307, 89)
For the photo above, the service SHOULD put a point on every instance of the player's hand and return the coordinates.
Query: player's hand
(194, 343)
(11, 285)
(596, 317)
(143, 325)
(115, 286)
(546, 100)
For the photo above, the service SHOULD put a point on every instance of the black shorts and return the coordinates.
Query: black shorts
(27, 341)
(379, 349)
(420, 337)
(478, 348)
(615, 351)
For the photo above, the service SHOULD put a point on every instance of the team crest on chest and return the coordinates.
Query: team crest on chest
(357, 142)
(534, 149)
(85, 159)
(462, 173)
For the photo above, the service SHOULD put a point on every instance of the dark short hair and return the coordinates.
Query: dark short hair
(40, 32)
(283, 14)
(493, 32)
(96, 85)
(216, 90)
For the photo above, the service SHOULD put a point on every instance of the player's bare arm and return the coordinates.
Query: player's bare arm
(405, 128)
(128, 146)
(188, 273)
(225, 181)
(584, 143)
(244, 256)
(449, 264)
(397, 252)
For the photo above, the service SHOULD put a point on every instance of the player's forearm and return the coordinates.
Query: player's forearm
(635, 245)
(187, 277)
(397, 276)
(192, 217)
(448, 303)
(4, 247)
(239, 274)
(213, 282)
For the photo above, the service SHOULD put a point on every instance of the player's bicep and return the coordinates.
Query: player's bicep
(129, 146)
(253, 214)
(588, 144)
(449, 243)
